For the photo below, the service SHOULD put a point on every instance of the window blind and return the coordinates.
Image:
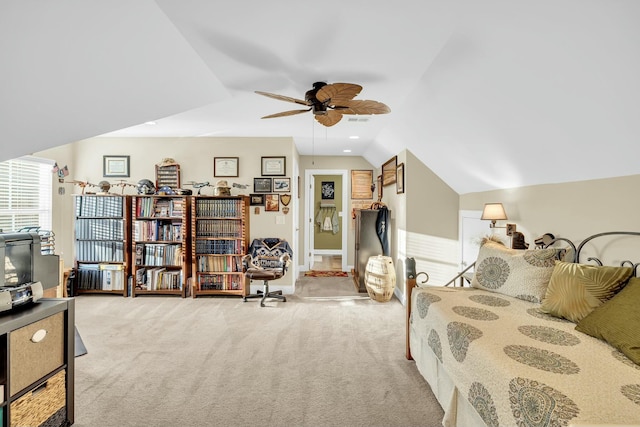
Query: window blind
(25, 193)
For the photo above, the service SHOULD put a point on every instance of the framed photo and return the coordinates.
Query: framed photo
(282, 185)
(274, 166)
(256, 199)
(115, 166)
(225, 166)
(400, 178)
(272, 203)
(262, 185)
(379, 188)
(361, 184)
(389, 171)
(328, 190)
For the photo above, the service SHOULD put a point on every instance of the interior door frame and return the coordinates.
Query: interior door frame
(309, 213)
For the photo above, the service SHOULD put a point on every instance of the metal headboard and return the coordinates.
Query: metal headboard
(578, 250)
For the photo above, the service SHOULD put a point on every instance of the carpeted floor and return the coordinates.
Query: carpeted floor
(317, 273)
(327, 357)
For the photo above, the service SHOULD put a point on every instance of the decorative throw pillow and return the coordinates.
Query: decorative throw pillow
(575, 290)
(518, 273)
(617, 321)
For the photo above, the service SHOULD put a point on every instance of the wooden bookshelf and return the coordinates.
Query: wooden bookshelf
(102, 239)
(220, 235)
(161, 263)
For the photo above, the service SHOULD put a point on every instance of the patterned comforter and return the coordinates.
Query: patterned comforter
(519, 367)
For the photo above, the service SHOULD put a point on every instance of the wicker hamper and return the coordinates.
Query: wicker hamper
(44, 406)
(380, 278)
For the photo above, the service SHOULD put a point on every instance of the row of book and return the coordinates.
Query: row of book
(101, 277)
(219, 208)
(155, 230)
(155, 279)
(99, 229)
(158, 254)
(225, 282)
(219, 247)
(229, 264)
(219, 228)
(100, 251)
(149, 207)
(103, 206)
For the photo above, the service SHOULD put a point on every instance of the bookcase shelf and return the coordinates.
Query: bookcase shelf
(102, 237)
(161, 249)
(220, 238)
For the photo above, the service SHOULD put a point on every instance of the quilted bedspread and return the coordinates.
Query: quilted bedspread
(519, 367)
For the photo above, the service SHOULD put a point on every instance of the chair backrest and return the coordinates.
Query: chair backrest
(270, 253)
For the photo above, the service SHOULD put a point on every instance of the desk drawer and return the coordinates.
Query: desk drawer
(44, 406)
(33, 355)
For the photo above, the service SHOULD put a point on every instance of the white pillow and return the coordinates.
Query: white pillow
(522, 274)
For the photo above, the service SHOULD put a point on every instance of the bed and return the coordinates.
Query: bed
(509, 356)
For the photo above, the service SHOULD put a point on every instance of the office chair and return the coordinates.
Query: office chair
(267, 260)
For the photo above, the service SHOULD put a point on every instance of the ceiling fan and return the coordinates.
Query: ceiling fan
(329, 102)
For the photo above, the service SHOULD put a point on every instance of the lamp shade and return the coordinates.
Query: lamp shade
(494, 212)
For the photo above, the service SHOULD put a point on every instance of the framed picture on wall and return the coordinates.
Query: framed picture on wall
(362, 184)
(115, 166)
(389, 171)
(225, 166)
(274, 166)
(262, 185)
(328, 190)
(400, 178)
(282, 185)
(272, 202)
(256, 199)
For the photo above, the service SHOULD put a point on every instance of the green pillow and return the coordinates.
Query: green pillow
(575, 290)
(618, 321)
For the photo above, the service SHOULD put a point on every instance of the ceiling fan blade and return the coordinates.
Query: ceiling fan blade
(283, 98)
(329, 119)
(364, 107)
(338, 93)
(286, 113)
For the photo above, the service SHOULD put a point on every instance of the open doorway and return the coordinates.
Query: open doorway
(326, 221)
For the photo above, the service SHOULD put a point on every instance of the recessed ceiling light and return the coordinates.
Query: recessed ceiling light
(151, 123)
(346, 151)
(354, 137)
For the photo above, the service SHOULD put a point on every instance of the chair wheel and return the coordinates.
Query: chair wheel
(244, 299)
(261, 304)
(284, 300)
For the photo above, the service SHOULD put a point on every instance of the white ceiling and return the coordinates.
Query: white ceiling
(490, 94)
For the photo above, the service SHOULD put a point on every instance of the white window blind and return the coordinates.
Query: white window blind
(25, 193)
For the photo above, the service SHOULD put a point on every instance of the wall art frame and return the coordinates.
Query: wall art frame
(115, 166)
(262, 185)
(400, 178)
(389, 171)
(362, 184)
(273, 166)
(281, 185)
(272, 202)
(256, 200)
(226, 167)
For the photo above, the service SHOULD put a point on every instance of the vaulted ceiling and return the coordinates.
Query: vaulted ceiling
(488, 94)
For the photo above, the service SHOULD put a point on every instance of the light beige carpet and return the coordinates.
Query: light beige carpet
(329, 356)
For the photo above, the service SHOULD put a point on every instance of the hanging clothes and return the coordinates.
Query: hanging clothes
(327, 220)
(382, 228)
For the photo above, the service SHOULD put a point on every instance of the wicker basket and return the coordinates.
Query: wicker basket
(380, 278)
(45, 405)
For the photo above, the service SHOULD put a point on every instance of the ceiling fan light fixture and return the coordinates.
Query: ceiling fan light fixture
(328, 102)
